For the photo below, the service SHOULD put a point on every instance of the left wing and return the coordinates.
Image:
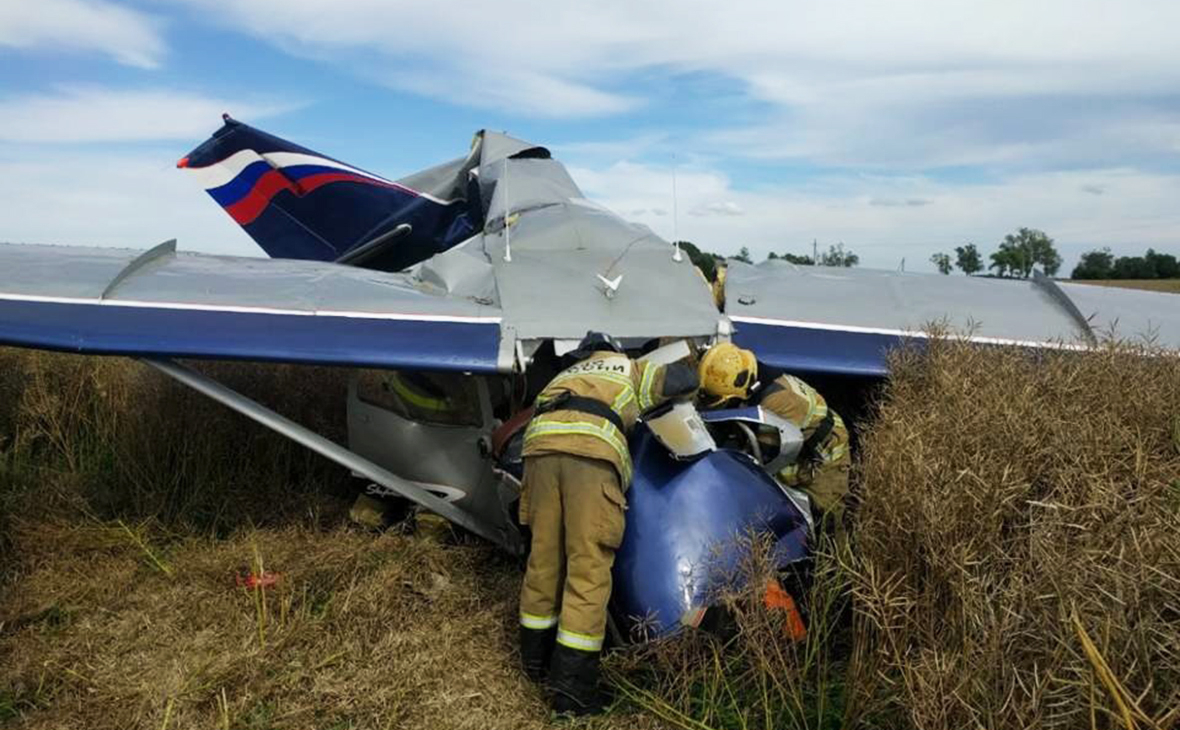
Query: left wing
(167, 304)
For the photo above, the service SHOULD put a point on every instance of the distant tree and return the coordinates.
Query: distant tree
(1096, 264)
(743, 255)
(1165, 264)
(1043, 252)
(1003, 262)
(837, 256)
(791, 258)
(942, 261)
(1019, 252)
(968, 260)
(706, 262)
(1133, 267)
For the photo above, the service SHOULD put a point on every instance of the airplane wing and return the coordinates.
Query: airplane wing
(166, 303)
(843, 321)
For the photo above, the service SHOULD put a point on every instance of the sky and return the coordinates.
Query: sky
(899, 129)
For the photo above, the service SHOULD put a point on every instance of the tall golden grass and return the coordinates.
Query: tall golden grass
(1019, 540)
(129, 505)
(1015, 563)
(110, 437)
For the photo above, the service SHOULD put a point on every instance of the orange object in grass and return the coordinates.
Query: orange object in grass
(775, 598)
(247, 579)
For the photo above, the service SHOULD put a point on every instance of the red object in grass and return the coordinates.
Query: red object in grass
(247, 579)
(776, 598)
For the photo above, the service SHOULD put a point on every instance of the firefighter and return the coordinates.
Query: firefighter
(577, 469)
(732, 377)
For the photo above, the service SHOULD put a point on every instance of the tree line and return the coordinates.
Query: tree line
(1101, 264)
(1018, 254)
(836, 255)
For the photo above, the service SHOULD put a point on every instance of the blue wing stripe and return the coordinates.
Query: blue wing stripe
(810, 350)
(470, 346)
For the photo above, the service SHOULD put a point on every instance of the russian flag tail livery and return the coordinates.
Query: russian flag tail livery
(299, 204)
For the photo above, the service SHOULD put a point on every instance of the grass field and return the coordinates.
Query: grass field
(1164, 285)
(1016, 565)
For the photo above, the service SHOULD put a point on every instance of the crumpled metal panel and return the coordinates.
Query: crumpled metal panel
(685, 525)
(551, 285)
(790, 438)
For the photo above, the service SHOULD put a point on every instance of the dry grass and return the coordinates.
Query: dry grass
(127, 507)
(1018, 541)
(111, 438)
(1164, 285)
(360, 631)
(1017, 566)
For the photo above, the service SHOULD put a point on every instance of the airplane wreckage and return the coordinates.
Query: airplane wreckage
(456, 290)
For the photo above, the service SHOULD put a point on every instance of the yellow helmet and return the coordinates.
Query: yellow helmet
(727, 371)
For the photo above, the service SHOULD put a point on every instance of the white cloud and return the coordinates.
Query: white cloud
(899, 202)
(138, 199)
(911, 83)
(128, 36)
(1136, 210)
(106, 199)
(720, 207)
(529, 94)
(93, 114)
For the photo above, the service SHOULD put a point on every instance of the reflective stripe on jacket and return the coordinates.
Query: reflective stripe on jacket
(627, 386)
(803, 406)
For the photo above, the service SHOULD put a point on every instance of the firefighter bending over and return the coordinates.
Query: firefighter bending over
(577, 469)
(732, 378)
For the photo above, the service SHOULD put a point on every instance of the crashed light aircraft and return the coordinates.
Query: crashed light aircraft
(455, 291)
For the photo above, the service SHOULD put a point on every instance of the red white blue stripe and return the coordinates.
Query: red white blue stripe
(245, 182)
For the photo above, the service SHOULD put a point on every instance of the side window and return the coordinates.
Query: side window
(444, 399)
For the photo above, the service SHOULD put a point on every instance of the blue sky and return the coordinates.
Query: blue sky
(900, 129)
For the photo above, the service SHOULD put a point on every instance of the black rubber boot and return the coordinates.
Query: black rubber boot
(536, 649)
(573, 677)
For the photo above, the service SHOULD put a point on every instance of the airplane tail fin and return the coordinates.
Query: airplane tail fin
(296, 203)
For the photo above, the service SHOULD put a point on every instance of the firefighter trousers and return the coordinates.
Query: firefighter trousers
(829, 489)
(574, 506)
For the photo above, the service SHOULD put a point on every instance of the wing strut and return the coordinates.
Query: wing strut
(1062, 299)
(324, 447)
(167, 248)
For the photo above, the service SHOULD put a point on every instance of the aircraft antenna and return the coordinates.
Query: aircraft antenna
(675, 217)
(507, 217)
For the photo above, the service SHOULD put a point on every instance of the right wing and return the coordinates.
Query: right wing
(843, 321)
(166, 304)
